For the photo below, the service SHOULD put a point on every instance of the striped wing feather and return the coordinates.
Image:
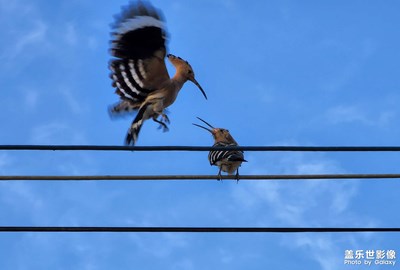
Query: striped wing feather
(138, 43)
(216, 156)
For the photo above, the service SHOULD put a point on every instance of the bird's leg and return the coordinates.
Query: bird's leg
(219, 178)
(158, 109)
(237, 175)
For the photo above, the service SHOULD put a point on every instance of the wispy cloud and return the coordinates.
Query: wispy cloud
(14, 6)
(304, 203)
(322, 248)
(4, 161)
(229, 4)
(343, 114)
(31, 99)
(159, 246)
(293, 203)
(28, 33)
(33, 36)
(185, 264)
(357, 55)
(19, 197)
(72, 102)
(25, 42)
(56, 132)
(24, 34)
(71, 36)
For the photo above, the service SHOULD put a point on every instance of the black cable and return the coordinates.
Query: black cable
(194, 229)
(192, 177)
(201, 148)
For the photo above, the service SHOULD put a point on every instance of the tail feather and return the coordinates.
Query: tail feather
(123, 107)
(236, 156)
(133, 132)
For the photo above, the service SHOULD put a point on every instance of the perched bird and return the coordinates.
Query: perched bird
(228, 161)
(138, 70)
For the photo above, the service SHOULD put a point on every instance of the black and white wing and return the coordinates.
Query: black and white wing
(216, 156)
(139, 47)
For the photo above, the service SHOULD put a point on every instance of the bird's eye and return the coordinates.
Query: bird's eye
(190, 72)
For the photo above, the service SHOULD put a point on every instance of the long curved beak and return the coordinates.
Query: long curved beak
(198, 85)
(209, 130)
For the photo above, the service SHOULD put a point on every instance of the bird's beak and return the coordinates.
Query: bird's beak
(198, 85)
(209, 130)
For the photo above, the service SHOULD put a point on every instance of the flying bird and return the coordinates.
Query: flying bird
(227, 160)
(138, 69)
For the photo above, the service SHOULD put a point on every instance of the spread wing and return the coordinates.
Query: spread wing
(138, 45)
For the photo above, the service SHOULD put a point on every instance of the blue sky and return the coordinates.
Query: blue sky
(275, 72)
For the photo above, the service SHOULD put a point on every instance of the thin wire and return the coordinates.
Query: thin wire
(201, 148)
(193, 177)
(194, 229)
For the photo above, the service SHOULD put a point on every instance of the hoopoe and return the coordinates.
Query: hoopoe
(227, 161)
(139, 72)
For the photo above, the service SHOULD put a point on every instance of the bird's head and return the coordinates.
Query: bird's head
(184, 68)
(219, 134)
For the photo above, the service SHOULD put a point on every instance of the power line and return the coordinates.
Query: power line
(195, 229)
(201, 148)
(193, 177)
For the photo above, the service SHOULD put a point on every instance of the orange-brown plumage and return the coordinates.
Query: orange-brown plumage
(228, 161)
(139, 72)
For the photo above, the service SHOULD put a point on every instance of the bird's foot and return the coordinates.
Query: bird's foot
(165, 119)
(163, 126)
(237, 178)
(163, 122)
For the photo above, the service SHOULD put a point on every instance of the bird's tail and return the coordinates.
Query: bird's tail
(133, 132)
(236, 156)
(123, 107)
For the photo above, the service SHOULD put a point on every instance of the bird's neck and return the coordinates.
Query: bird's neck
(173, 88)
(178, 80)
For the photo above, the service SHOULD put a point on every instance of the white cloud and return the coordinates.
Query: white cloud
(31, 98)
(14, 6)
(55, 133)
(358, 55)
(25, 41)
(161, 245)
(19, 195)
(4, 161)
(35, 35)
(71, 36)
(355, 114)
(45, 134)
(25, 33)
(31, 35)
(322, 248)
(293, 202)
(71, 100)
(312, 203)
(185, 264)
(229, 4)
